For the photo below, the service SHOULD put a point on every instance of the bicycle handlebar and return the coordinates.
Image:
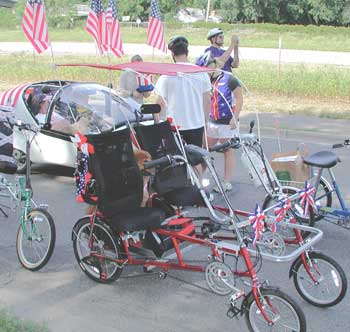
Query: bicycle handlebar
(167, 160)
(341, 145)
(233, 143)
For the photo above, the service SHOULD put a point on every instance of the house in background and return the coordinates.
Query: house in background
(8, 3)
(191, 15)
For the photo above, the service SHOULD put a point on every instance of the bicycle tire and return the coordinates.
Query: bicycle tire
(323, 189)
(277, 300)
(33, 239)
(335, 275)
(102, 233)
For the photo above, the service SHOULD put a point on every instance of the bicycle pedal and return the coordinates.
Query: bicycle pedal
(93, 262)
(233, 312)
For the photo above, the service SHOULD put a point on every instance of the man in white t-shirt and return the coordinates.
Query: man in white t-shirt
(185, 98)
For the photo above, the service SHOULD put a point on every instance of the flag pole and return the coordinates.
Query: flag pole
(110, 71)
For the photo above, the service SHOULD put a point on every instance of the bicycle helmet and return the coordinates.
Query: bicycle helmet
(214, 32)
(176, 40)
(205, 60)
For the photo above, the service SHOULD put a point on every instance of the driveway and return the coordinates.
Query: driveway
(246, 53)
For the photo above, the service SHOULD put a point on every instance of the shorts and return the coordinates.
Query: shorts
(193, 136)
(219, 131)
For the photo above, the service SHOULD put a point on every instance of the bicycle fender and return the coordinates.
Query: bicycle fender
(250, 297)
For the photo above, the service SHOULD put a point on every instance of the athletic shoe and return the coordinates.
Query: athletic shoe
(226, 186)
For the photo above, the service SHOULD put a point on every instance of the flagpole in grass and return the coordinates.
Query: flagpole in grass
(34, 26)
(155, 30)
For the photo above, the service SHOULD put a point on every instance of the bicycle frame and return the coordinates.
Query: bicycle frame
(271, 184)
(331, 213)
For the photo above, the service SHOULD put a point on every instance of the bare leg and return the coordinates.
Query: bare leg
(229, 165)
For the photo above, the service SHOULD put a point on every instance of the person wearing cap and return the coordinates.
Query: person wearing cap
(185, 98)
(226, 105)
(40, 105)
(135, 86)
(216, 38)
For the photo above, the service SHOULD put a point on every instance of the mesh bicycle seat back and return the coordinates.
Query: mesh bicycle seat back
(120, 182)
(114, 167)
(170, 182)
(157, 139)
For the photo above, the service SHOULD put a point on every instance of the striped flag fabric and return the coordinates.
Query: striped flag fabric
(10, 97)
(34, 25)
(155, 30)
(113, 40)
(96, 24)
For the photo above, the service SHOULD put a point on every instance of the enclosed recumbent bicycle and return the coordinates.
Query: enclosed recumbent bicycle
(36, 233)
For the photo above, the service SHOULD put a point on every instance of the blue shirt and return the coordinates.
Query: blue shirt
(218, 52)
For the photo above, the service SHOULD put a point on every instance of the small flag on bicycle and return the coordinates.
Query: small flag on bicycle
(281, 212)
(306, 198)
(257, 222)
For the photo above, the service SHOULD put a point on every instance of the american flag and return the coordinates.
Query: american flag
(95, 24)
(156, 28)
(114, 41)
(34, 25)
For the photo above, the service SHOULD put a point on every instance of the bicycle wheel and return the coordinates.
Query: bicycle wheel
(36, 239)
(330, 286)
(296, 207)
(283, 312)
(104, 244)
(323, 197)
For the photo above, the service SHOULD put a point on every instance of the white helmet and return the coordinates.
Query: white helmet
(214, 32)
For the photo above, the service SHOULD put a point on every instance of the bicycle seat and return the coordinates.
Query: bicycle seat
(322, 159)
(7, 167)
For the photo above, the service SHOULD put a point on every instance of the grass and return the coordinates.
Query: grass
(297, 89)
(251, 35)
(10, 323)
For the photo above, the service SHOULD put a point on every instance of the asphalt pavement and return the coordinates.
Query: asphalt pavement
(63, 297)
(246, 53)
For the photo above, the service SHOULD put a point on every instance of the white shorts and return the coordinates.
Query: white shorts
(216, 130)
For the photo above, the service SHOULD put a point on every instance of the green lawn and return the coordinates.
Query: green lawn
(251, 35)
(10, 323)
(304, 89)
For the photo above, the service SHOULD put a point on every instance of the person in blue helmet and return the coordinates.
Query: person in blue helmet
(223, 57)
(226, 105)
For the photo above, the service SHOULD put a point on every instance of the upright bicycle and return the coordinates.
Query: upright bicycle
(36, 233)
(325, 190)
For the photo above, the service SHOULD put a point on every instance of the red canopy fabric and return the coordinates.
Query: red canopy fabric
(171, 69)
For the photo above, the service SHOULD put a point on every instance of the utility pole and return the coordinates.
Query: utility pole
(208, 10)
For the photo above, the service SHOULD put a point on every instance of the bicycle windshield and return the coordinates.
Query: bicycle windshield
(89, 108)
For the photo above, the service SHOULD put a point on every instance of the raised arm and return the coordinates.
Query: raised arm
(232, 48)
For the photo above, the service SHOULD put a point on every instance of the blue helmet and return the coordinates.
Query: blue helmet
(205, 60)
